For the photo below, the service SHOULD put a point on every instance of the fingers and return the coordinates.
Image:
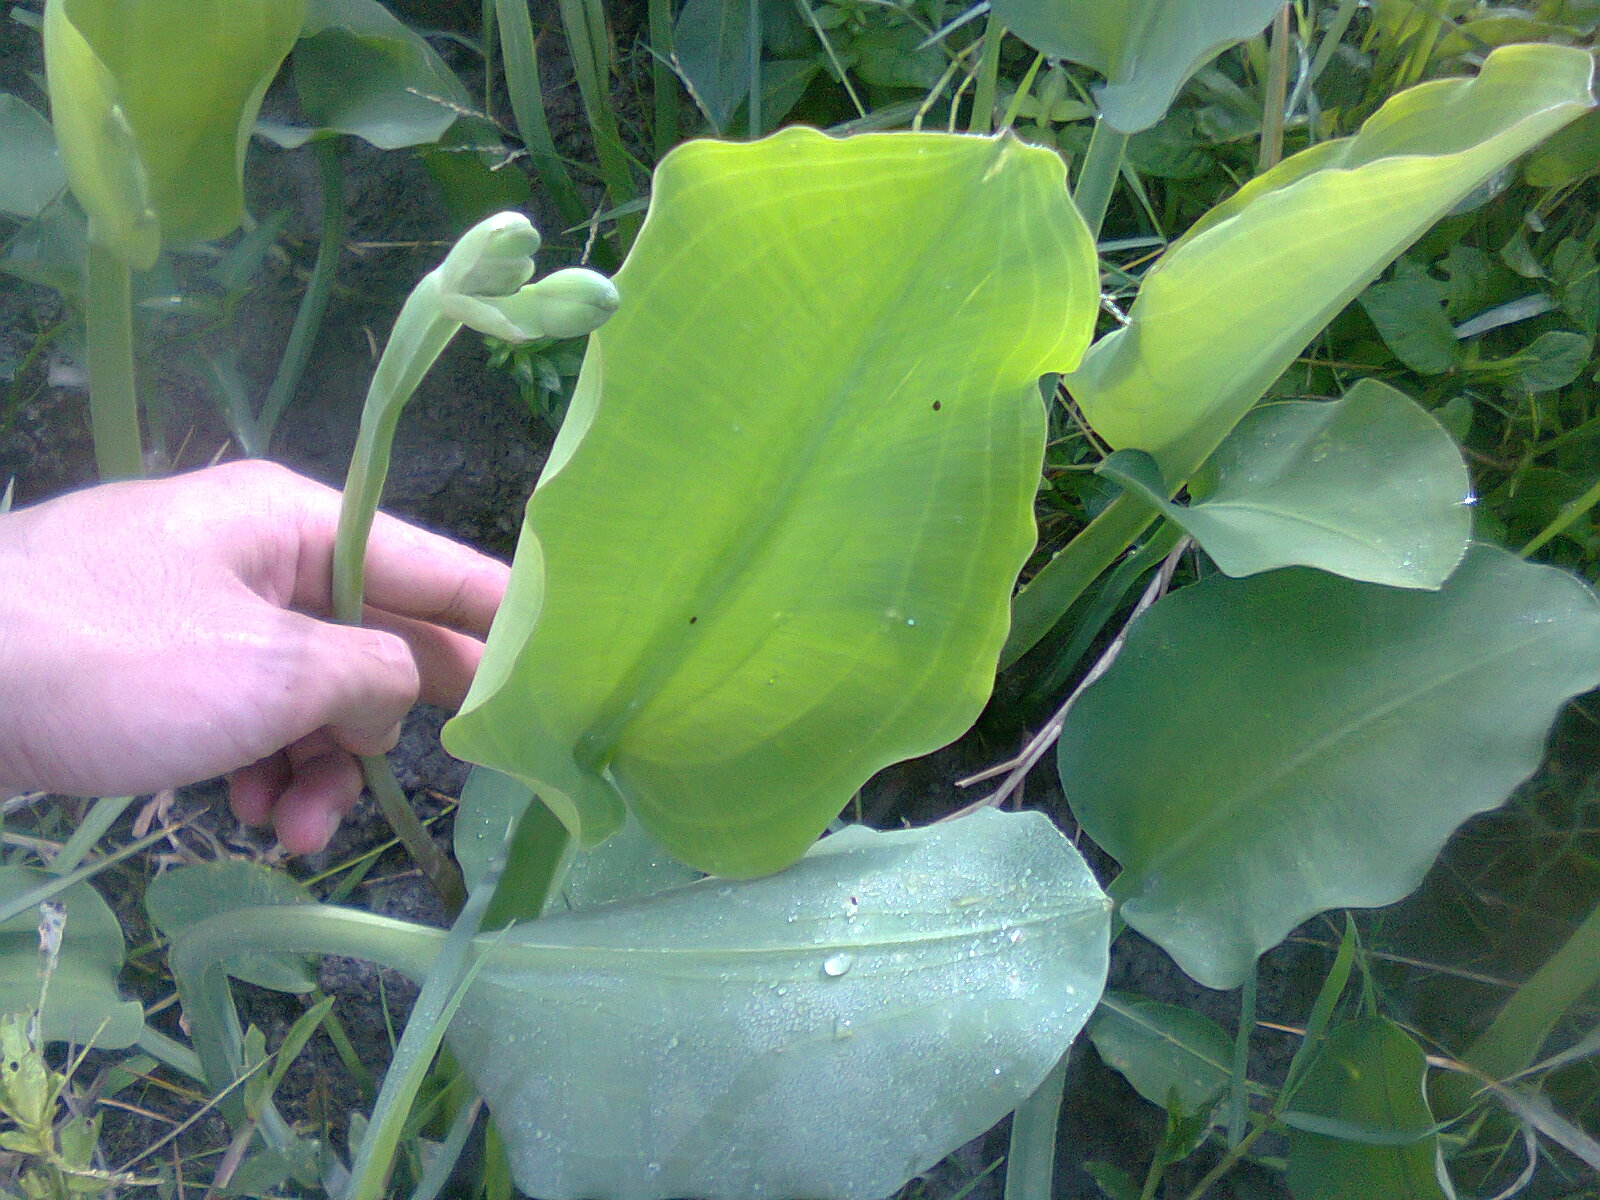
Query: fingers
(409, 571)
(303, 791)
(358, 683)
(446, 661)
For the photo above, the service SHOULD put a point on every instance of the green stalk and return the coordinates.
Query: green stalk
(584, 22)
(197, 959)
(113, 394)
(1097, 177)
(521, 57)
(421, 333)
(981, 119)
(319, 290)
(1514, 1038)
(452, 971)
(1277, 95)
(1564, 519)
(753, 48)
(1038, 606)
(1031, 1159)
(663, 82)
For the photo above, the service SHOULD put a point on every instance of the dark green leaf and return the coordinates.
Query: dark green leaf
(1408, 312)
(711, 43)
(181, 897)
(1376, 1138)
(359, 71)
(1369, 487)
(1267, 748)
(83, 1004)
(1169, 1054)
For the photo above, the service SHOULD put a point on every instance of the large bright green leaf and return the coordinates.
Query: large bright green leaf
(773, 549)
(1370, 487)
(828, 1031)
(1366, 1083)
(1233, 301)
(1146, 49)
(362, 72)
(153, 102)
(83, 1004)
(30, 166)
(1267, 748)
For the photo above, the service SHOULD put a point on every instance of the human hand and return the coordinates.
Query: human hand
(157, 633)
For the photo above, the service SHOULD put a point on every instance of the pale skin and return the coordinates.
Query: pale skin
(159, 633)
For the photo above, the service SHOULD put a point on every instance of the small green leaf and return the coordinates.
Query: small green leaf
(83, 1004)
(1169, 1054)
(1146, 49)
(1570, 155)
(1267, 748)
(1369, 487)
(1408, 312)
(362, 72)
(30, 166)
(1552, 361)
(181, 897)
(1233, 301)
(1369, 1075)
(779, 516)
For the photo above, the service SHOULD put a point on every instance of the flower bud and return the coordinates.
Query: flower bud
(493, 258)
(564, 304)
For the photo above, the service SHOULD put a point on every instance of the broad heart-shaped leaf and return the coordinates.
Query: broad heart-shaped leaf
(83, 1004)
(1267, 748)
(774, 546)
(828, 1031)
(1146, 49)
(1367, 1082)
(32, 174)
(1234, 300)
(362, 72)
(1370, 487)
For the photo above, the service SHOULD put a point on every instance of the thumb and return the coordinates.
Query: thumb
(357, 683)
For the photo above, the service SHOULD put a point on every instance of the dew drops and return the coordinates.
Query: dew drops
(838, 964)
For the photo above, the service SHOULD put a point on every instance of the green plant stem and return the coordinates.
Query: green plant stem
(664, 84)
(1564, 519)
(197, 963)
(446, 985)
(1031, 1160)
(113, 394)
(1037, 607)
(520, 53)
(1334, 34)
(753, 50)
(1514, 1038)
(319, 290)
(981, 119)
(421, 333)
(1277, 95)
(584, 22)
(1097, 177)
